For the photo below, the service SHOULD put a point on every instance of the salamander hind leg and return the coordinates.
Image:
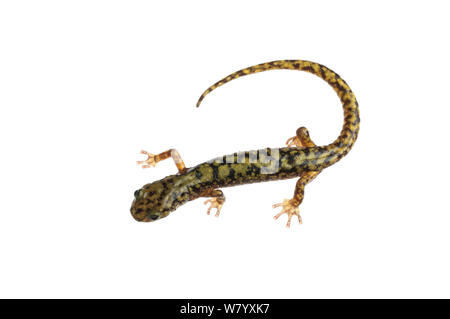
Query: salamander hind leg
(290, 206)
(217, 200)
(153, 159)
(301, 139)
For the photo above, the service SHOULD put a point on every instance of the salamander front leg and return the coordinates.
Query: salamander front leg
(153, 159)
(301, 139)
(290, 206)
(217, 200)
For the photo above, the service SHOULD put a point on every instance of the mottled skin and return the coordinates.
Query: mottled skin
(302, 158)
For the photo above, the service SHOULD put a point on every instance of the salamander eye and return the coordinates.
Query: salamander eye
(136, 193)
(154, 217)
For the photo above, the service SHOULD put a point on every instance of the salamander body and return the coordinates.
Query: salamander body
(301, 158)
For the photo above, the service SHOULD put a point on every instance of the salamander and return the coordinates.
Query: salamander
(300, 158)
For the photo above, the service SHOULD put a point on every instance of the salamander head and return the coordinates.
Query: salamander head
(156, 200)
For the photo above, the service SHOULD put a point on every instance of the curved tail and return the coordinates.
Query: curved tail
(342, 145)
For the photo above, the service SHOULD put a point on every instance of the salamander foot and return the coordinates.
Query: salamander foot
(149, 162)
(294, 142)
(290, 209)
(214, 203)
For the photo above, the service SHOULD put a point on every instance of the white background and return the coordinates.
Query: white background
(85, 85)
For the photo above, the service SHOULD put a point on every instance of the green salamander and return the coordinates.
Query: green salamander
(300, 158)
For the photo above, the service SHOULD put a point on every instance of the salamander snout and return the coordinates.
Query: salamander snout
(146, 206)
